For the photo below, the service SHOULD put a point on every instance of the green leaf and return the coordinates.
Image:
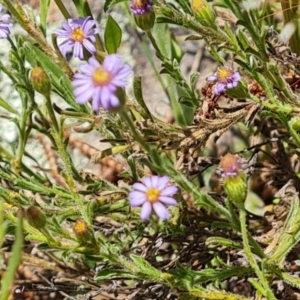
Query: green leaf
(176, 51)
(257, 286)
(44, 7)
(14, 261)
(112, 35)
(110, 3)
(243, 64)
(34, 53)
(242, 39)
(185, 6)
(79, 6)
(145, 268)
(109, 274)
(162, 36)
(60, 82)
(193, 80)
(5, 105)
(137, 90)
(3, 224)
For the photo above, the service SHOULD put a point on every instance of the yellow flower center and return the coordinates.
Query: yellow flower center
(101, 77)
(198, 5)
(80, 227)
(78, 35)
(223, 73)
(152, 194)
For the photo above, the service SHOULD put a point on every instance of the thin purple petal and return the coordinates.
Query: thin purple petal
(146, 211)
(220, 88)
(167, 200)
(147, 181)
(213, 78)
(154, 181)
(161, 210)
(137, 198)
(163, 181)
(139, 187)
(169, 190)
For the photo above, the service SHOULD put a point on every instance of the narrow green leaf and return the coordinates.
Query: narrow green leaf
(109, 274)
(44, 7)
(176, 51)
(185, 5)
(14, 261)
(110, 3)
(3, 224)
(5, 105)
(257, 286)
(79, 6)
(60, 81)
(112, 35)
(145, 268)
(46, 63)
(137, 90)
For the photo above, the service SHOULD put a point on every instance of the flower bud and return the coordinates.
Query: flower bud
(35, 217)
(295, 123)
(82, 232)
(203, 12)
(40, 81)
(144, 15)
(235, 184)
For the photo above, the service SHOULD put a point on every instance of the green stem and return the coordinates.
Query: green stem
(60, 57)
(176, 71)
(65, 156)
(52, 242)
(236, 224)
(154, 44)
(51, 112)
(14, 261)
(251, 258)
(136, 136)
(62, 9)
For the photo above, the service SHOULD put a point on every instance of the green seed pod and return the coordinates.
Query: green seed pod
(40, 81)
(35, 217)
(295, 123)
(236, 188)
(145, 21)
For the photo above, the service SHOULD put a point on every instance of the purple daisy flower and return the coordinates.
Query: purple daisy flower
(100, 82)
(226, 78)
(4, 25)
(140, 7)
(153, 193)
(79, 33)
